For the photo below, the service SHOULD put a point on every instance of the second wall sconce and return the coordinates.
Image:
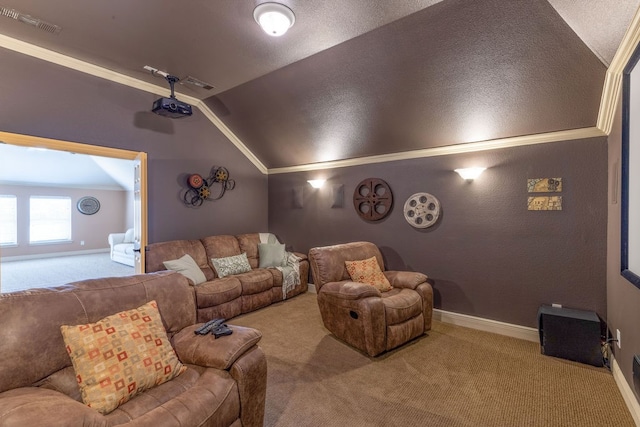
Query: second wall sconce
(469, 174)
(316, 183)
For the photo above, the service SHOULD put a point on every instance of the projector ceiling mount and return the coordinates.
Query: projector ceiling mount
(169, 107)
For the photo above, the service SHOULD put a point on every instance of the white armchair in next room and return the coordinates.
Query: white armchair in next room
(122, 247)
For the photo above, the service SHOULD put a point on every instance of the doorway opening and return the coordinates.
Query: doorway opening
(72, 202)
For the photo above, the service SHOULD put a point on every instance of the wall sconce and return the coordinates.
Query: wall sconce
(316, 183)
(469, 174)
(274, 18)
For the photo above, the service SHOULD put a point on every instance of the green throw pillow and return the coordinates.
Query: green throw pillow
(187, 267)
(272, 255)
(235, 264)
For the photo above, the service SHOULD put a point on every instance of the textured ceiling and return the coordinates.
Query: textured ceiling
(356, 78)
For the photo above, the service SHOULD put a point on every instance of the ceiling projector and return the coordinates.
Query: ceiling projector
(171, 107)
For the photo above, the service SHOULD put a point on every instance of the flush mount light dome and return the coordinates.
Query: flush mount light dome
(274, 18)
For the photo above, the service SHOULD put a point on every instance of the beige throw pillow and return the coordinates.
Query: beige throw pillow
(121, 356)
(368, 271)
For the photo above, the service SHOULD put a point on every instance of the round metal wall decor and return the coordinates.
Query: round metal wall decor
(88, 205)
(422, 210)
(372, 199)
(210, 188)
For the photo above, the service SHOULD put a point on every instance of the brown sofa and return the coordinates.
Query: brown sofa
(361, 315)
(224, 383)
(228, 296)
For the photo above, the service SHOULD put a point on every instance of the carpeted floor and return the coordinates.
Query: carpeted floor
(453, 377)
(45, 272)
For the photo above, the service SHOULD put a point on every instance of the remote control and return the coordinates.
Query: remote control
(209, 326)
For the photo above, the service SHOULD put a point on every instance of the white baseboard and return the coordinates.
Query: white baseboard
(487, 325)
(627, 394)
(53, 255)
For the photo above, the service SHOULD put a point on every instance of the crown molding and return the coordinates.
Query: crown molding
(518, 141)
(613, 78)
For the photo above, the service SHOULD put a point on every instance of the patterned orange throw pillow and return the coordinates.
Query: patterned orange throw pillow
(368, 271)
(121, 356)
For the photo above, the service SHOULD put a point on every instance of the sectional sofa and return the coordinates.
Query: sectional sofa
(221, 382)
(230, 295)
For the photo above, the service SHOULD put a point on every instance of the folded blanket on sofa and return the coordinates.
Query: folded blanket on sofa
(290, 271)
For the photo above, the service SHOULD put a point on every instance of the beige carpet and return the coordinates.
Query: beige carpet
(453, 377)
(56, 271)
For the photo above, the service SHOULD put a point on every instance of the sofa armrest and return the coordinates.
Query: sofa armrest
(349, 290)
(219, 353)
(405, 279)
(300, 255)
(32, 406)
(116, 238)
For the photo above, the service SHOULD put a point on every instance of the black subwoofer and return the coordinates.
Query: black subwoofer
(570, 334)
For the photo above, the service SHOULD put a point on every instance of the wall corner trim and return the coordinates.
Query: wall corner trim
(96, 71)
(627, 394)
(613, 78)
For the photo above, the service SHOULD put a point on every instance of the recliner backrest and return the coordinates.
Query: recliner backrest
(327, 262)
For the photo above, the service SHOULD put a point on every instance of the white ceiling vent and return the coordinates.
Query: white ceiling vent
(30, 20)
(196, 82)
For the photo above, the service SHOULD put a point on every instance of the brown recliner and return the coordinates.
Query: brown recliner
(361, 315)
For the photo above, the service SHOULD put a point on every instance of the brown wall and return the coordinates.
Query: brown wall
(92, 229)
(623, 298)
(488, 255)
(42, 99)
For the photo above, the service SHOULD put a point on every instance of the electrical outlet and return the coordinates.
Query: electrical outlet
(81, 242)
(618, 338)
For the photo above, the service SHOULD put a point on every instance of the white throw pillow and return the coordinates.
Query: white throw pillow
(187, 267)
(128, 236)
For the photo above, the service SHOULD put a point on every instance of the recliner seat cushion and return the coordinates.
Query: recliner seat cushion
(401, 305)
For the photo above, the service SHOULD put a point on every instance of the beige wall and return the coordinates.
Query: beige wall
(92, 229)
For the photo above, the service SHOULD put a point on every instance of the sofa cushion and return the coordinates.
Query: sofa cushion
(120, 356)
(272, 255)
(221, 246)
(230, 265)
(368, 271)
(255, 281)
(187, 267)
(249, 244)
(218, 291)
(123, 248)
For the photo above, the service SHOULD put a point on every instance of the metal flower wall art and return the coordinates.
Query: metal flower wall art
(210, 188)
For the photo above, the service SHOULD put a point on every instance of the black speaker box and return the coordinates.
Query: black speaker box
(570, 334)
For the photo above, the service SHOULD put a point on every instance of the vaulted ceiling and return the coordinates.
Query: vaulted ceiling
(355, 78)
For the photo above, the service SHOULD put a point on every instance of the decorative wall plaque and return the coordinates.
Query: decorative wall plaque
(544, 185)
(422, 210)
(544, 203)
(372, 199)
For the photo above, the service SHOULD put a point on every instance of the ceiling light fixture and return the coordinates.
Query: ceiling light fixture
(470, 174)
(274, 18)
